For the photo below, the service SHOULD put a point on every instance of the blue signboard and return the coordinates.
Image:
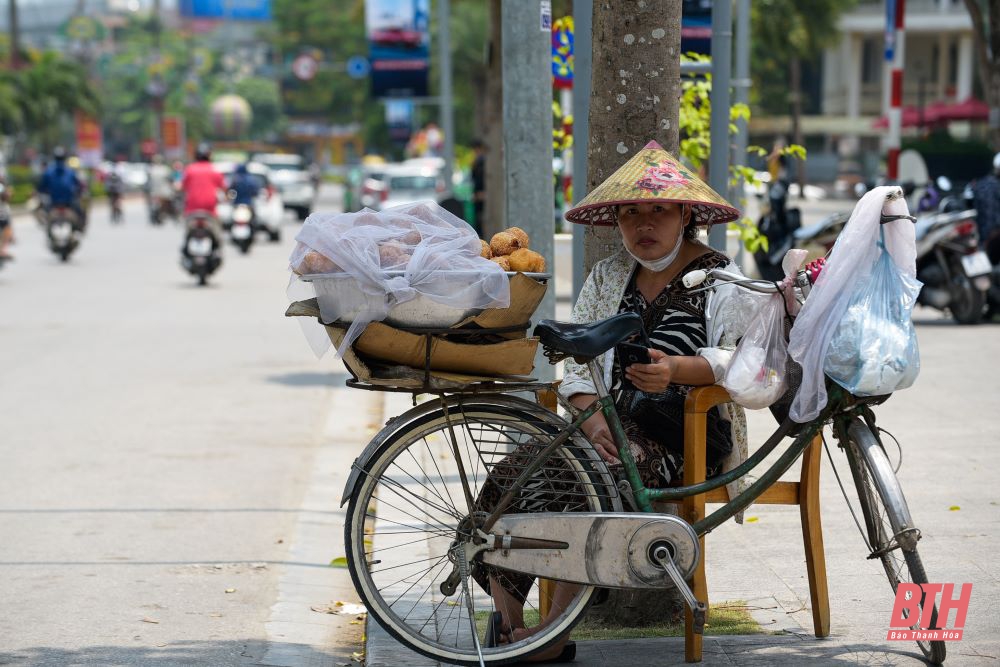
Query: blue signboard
(239, 10)
(399, 46)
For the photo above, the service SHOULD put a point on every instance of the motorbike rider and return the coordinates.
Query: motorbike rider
(160, 181)
(201, 184)
(114, 185)
(62, 187)
(986, 193)
(6, 228)
(244, 187)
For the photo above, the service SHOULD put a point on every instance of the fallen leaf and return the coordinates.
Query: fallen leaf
(340, 561)
(230, 590)
(280, 542)
(752, 519)
(343, 608)
(355, 622)
(954, 508)
(215, 614)
(147, 619)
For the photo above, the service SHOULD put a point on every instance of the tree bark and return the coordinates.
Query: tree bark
(494, 205)
(987, 43)
(635, 94)
(635, 98)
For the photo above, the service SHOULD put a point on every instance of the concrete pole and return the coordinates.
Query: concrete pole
(741, 95)
(583, 15)
(15, 35)
(447, 103)
(718, 159)
(527, 137)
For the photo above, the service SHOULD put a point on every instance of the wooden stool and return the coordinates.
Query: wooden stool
(804, 493)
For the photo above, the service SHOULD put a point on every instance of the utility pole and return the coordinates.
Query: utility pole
(895, 57)
(718, 159)
(527, 136)
(15, 35)
(447, 103)
(741, 95)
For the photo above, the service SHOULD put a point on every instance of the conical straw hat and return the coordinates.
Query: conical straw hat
(652, 175)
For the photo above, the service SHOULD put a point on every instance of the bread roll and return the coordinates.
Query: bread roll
(522, 236)
(503, 261)
(527, 261)
(504, 243)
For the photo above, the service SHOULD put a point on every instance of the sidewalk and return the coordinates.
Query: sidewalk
(948, 476)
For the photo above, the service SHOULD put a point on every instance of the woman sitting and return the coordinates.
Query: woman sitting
(659, 207)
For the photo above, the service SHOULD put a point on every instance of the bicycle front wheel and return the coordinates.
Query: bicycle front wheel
(891, 534)
(419, 501)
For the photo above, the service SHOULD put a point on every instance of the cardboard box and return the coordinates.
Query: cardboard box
(389, 356)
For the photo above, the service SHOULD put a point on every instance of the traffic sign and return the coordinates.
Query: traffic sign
(358, 67)
(304, 67)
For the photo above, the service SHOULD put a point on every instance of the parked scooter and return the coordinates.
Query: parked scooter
(955, 272)
(778, 224)
(64, 231)
(241, 227)
(201, 254)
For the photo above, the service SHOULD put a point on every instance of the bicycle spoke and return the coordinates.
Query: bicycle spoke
(435, 531)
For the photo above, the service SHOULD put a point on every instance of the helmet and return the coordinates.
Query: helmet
(996, 162)
(59, 153)
(73, 162)
(241, 168)
(203, 152)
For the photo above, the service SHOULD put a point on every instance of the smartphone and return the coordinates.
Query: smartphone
(631, 353)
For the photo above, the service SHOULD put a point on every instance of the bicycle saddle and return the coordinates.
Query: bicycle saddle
(584, 342)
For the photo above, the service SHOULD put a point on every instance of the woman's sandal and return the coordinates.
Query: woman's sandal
(494, 633)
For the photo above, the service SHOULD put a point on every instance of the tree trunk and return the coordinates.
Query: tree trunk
(634, 98)
(494, 205)
(634, 94)
(795, 83)
(15, 35)
(986, 37)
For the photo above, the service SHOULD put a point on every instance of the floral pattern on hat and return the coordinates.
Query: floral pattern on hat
(659, 177)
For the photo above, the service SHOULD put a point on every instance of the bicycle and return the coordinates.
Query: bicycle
(418, 531)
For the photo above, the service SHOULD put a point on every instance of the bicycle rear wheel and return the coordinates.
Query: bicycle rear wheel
(891, 534)
(410, 510)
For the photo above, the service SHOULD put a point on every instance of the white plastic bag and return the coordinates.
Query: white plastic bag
(851, 261)
(755, 377)
(874, 349)
(395, 255)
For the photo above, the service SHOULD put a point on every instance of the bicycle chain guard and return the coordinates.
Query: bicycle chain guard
(613, 550)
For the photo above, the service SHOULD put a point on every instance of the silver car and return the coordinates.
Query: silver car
(290, 177)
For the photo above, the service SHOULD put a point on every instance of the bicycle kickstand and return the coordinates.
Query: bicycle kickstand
(698, 609)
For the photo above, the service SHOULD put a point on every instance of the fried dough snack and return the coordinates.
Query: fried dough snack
(504, 243)
(314, 262)
(485, 250)
(527, 261)
(503, 261)
(521, 235)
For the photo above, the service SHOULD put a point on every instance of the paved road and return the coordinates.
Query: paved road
(158, 443)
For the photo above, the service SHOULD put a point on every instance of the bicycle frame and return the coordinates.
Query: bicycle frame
(841, 408)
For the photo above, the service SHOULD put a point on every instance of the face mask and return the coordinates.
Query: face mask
(660, 264)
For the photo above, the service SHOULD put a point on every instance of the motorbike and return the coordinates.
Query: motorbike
(778, 224)
(956, 274)
(241, 227)
(63, 230)
(201, 254)
(161, 208)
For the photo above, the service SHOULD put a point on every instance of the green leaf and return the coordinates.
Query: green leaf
(339, 561)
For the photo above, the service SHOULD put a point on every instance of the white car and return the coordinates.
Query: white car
(289, 175)
(408, 183)
(268, 205)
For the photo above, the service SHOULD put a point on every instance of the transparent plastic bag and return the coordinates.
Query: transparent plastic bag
(394, 256)
(850, 263)
(874, 350)
(755, 377)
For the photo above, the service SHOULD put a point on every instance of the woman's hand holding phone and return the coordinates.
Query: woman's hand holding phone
(654, 376)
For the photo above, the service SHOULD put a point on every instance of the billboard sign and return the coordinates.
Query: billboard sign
(172, 132)
(399, 46)
(238, 10)
(89, 141)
